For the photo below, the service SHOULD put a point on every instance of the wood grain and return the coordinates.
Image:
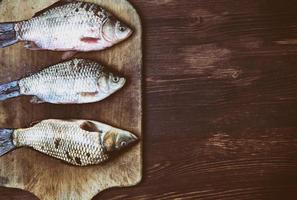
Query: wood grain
(220, 101)
(49, 178)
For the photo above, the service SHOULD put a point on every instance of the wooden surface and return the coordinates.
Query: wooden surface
(49, 178)
(220, 101)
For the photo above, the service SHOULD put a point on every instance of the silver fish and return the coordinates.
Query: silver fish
(77, 142)
(67, 26)
(76, 81)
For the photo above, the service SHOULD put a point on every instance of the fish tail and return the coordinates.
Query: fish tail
(8, 34)
(6, 143)
(9, 90)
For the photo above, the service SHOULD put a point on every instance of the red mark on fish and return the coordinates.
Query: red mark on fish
(90, 40)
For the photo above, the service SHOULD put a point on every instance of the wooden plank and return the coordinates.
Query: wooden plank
(49, 178)
(221, 105)
(220, 120)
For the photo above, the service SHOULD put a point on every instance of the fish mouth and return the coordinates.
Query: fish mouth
(130, 33)
(135, 139)
(122, 82)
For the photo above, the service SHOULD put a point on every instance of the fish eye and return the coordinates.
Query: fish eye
(123, 143)
(122, 28)
(116, 79)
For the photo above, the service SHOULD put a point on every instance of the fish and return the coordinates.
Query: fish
(71, 26)
(76, 142)
(77, 81)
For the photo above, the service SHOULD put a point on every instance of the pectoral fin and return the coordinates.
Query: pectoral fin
(32, 46)
(68, 54)
(89, 40)
(88, 94)
(34, 123)
(36, 100)
(89, 126)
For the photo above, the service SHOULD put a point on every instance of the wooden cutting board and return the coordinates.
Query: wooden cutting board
(47, 177)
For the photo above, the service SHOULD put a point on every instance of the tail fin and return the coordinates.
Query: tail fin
(6, 144)
(9, 90)
(8, 35)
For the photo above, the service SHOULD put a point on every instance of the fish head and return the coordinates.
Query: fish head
(115, 31)
(124, 139)
(117, 140)
(110, 83)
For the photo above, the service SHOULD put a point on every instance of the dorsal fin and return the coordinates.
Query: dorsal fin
(34, 123)
(57, 4)
(89, 126)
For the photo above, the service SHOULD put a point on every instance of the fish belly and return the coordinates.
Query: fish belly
(58, 89)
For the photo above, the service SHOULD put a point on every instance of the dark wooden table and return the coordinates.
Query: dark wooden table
(220, 101)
